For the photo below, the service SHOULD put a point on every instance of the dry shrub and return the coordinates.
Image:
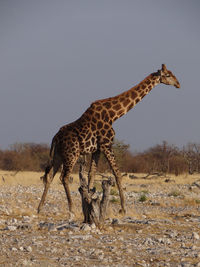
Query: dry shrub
(163, 158)
(23, 157)
(177, 165)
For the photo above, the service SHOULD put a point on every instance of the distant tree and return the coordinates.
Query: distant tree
(24, 156)
(120, 150)
(163, 158)
(191, 153)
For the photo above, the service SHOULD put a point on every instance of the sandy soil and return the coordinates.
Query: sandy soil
(161, 227)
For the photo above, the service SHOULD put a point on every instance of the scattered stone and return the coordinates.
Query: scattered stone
(24, 226)
(185, 264)
(93, 226)
(171, 238)
(11, 227)
(14, 220)
(195, 235)
(85, 227)
(115, 221)
(29, 249)
(26, 263)
(47, 226)
(81, 250)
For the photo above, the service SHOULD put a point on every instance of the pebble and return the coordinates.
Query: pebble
(141, 239)
(86, 227)
(29, 249)
(11, 227)
(195, 236)
(115, 221)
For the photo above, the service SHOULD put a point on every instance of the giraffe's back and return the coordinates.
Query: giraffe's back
(91, 130)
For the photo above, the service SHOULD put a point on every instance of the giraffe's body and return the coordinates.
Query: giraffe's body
(93, 133)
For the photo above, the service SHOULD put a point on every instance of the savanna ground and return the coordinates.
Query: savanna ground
(161, 226)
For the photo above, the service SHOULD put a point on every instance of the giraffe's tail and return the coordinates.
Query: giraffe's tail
(44, 177)
(52, 149)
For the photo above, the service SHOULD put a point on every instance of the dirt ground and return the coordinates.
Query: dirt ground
(161, 226)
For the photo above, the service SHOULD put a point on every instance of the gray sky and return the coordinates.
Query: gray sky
(56, 57)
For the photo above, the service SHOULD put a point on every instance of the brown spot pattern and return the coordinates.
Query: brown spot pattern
(117, 107)
(133, 94)
(130, 106)
(126, 102)
(111, 113)
(107, 105)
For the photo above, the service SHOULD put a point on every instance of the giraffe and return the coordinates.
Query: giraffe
(93, 133)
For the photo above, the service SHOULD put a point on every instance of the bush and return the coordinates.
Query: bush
(162, 158)
(27, 156)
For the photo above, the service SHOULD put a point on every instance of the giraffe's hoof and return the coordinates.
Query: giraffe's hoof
(71, 216)
(38, 211)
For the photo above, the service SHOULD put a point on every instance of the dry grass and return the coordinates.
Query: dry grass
(141, 186)
(169, 205)
(28, 178)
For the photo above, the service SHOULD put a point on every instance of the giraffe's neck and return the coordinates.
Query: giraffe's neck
(119, 105)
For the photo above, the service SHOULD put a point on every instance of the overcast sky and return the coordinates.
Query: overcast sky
(56, 57)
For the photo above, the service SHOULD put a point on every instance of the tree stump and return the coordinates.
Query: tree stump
(94, 209)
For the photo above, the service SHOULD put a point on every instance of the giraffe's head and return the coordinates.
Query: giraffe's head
(167, 77)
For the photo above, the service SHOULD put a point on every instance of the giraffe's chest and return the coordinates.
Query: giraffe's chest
(91, 135)
(92, 141)
(87, 138)
(88, 143)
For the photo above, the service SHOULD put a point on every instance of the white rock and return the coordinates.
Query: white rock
(14, 220)
(93, 226)
(86, 227)
(26, 262)
(101, 257)
(29, 249)
(11, 227)
(195, 235)
(116, 221)
(81, 250)
(26, 218)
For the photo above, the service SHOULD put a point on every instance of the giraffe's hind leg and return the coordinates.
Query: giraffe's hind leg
(68, 165)
(109, 154)
(50, 172)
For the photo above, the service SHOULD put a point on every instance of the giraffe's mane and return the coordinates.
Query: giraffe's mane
(150, 76)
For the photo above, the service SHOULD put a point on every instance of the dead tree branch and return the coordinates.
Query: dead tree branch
(94, 209)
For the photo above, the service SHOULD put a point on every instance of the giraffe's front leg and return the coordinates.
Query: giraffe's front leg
(65, 181)
(109, 154)
(68, 165)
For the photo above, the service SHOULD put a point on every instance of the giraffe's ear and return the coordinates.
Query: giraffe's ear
(164, 67)
(159, 72)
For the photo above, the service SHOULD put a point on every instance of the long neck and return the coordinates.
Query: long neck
(119, 105)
